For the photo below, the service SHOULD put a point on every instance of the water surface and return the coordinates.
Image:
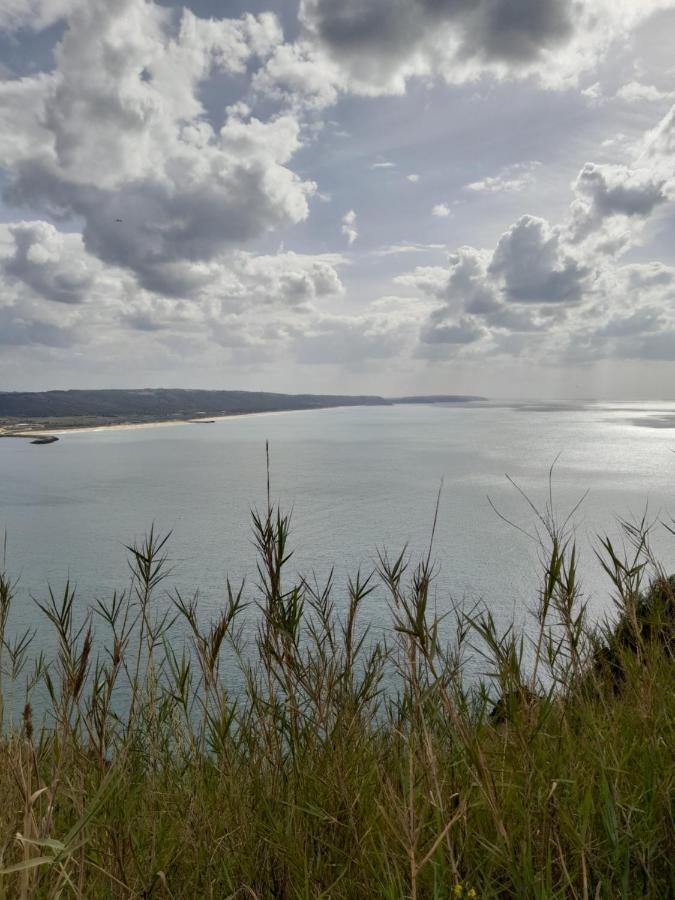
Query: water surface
(357, 479)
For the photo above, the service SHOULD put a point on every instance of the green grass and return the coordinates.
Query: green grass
(347, 766)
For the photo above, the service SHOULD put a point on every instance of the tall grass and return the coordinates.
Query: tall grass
(345, 764)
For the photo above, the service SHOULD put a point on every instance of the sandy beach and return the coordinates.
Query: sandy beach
(33, 430)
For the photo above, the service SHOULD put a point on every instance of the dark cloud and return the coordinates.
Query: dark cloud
(518, 31)
(380, 43)
(606, 191)
(533, 266)
(467, 285)
(505, 30)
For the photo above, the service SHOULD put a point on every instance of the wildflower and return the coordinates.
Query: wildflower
(458, 890)
(471, 892)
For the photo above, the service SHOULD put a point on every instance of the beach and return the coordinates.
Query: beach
(40, 428)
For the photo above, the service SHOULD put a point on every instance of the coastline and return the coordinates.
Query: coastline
(38, 429)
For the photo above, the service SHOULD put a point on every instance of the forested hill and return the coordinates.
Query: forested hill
(161, 403)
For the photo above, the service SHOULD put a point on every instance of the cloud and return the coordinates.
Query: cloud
(289, 279)
(54, 293)
(440, 210)
(299, 77)
(380, 44)
(407, 247)
(34, 14)
(466, 331)
(646, 276)
(606, 191)
(15, 331)
(430, 280)
(594, 94)
(52, 264)
(354, 340)
(154, 183)
(471, 301)
(349, 228)
(559, 292)
(644, 320)
(160, 208)
(532, 265)
(245, 299)
(22, 128)
(657, 151)
(636, 92)
(512, 178)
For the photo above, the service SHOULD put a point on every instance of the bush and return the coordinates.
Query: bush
(343, 765)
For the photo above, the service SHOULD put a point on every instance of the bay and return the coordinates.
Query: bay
(357, 480)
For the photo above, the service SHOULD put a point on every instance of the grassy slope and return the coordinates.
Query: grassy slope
(314, 783)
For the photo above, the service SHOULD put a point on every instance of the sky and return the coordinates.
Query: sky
(370, 196)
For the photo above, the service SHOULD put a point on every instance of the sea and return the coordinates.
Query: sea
(358, 482)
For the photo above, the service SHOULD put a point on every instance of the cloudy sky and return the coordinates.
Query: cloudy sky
(360, 196)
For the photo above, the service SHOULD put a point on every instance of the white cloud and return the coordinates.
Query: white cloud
(413, 178)
(440, 210)
(349, 228)
(407, 247)
(594, 94)
(636, 92)
(657, 151)
(512, 178)
(431, 280)
(299, 77)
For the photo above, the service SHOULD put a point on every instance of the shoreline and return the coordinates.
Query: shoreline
(30, 431)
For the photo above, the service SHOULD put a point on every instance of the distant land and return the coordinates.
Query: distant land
(27, 412)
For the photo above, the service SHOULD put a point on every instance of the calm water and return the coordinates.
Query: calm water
(357, 479)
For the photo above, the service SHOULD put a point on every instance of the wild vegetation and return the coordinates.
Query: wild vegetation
(343, 763)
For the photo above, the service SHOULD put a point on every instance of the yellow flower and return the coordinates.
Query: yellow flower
(458, 890)
(472, 892)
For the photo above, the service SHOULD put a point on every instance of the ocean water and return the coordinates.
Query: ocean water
(357, 480)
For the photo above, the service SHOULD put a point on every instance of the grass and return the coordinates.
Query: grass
(348, 765)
